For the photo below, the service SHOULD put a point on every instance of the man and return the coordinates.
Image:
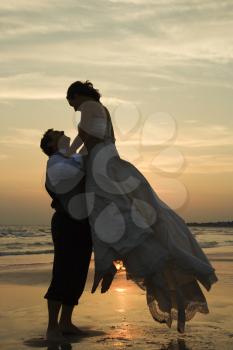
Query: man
(71, 234)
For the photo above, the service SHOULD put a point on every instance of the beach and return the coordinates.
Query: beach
(117, 319)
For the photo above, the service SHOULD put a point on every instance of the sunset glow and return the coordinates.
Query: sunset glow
(164, 67)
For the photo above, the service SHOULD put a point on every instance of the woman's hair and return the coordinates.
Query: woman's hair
(86, 89)
(49, 141)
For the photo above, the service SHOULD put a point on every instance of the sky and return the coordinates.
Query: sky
(165, 72)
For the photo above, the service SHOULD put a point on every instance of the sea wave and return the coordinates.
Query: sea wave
(24, 231)
(28, 252)
(36, 240)
(17, 245)
(23, 234)
(208, 244)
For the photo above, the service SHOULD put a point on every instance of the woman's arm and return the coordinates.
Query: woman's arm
(79, 140)
(91, 127)
(74, 146)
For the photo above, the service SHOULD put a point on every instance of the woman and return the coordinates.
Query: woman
(131, 223)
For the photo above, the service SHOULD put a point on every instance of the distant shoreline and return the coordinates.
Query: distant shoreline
(211, 224)
(206, 224)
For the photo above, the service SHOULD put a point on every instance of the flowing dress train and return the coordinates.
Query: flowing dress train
(131, 223)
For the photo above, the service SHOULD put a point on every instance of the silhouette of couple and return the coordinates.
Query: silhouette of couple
(103, 202)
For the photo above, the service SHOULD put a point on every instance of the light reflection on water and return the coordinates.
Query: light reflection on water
(124, 335)
(120, 290)
(119, 343)
(120, 310)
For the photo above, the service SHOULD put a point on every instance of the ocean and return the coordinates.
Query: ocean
(27, 245)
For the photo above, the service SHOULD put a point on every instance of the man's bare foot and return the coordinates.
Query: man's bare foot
(71, 329)
(55, 335)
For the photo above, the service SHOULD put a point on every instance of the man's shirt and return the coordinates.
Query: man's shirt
(61, 168)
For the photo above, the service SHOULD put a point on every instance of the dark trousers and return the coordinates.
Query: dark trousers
(72, 254)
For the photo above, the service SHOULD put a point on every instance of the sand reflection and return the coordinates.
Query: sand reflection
(178, 344)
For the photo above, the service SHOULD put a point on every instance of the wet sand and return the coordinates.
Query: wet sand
(117, 319)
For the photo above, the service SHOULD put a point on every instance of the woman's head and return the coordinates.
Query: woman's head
(53, 141)
(80, 91)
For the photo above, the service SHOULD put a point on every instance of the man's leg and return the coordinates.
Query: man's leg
(65, 323)
(79, 246)
(53, 331)
(54, 293)
(72, 254)
(66, 316)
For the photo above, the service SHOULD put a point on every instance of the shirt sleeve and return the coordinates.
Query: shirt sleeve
(59, 168)
(77, 157)
(93, 119)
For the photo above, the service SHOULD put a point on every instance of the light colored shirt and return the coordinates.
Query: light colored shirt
(61, 168)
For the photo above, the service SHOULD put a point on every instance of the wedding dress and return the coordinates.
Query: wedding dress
(131, 223)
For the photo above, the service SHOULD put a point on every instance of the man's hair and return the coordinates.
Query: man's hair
(83, 88)
(47, 142)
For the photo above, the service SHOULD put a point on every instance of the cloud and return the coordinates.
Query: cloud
(175, 163)
(22, 137)
(38, 86)
(200, 148)
(190, 121)
(161, 45)
(203, 136)
(27, 5)
(209, 164)
(161, 33)
(164, 130)
(3, 156)
(32, 86)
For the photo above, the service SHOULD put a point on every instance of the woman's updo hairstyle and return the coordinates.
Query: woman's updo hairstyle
(83, 88)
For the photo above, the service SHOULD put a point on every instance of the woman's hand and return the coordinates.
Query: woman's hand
(74, 146)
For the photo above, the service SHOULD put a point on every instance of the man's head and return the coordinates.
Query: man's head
(53, 141)
(79, 91)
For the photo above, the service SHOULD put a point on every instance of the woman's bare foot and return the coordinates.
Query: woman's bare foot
(55, 335)
(71, 329)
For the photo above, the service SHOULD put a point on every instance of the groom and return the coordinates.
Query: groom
(71, 234)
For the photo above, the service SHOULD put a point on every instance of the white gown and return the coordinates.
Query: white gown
(131, 223)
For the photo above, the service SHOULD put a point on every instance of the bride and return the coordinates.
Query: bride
(131, 223)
